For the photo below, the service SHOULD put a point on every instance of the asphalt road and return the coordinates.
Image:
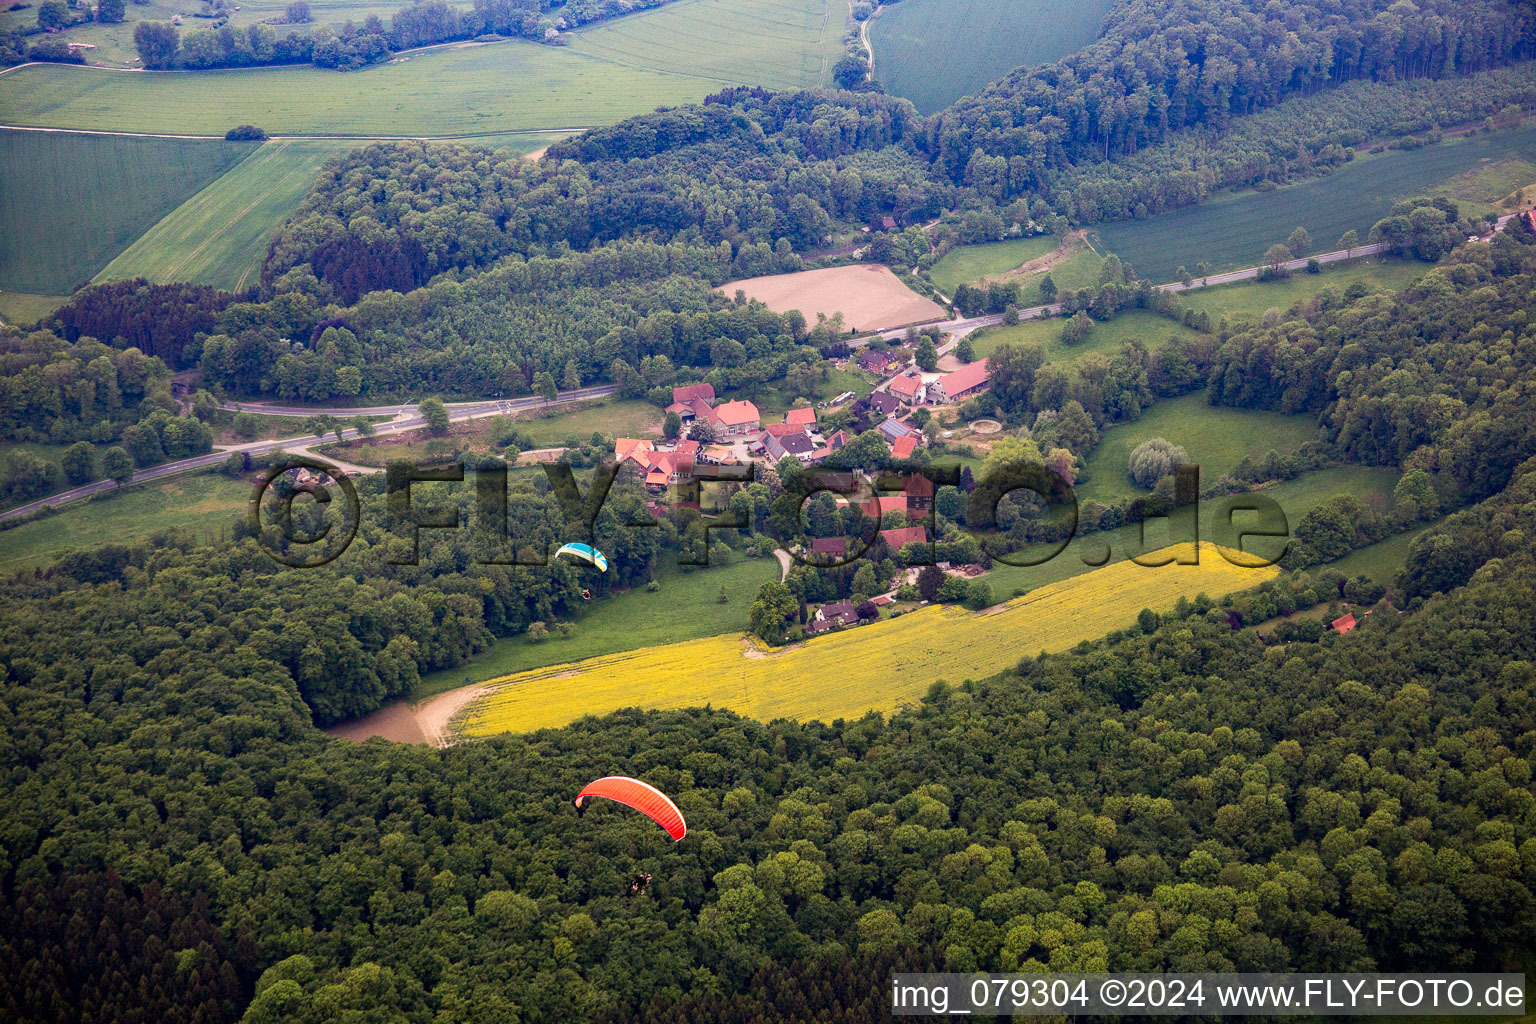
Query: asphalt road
(406, 419)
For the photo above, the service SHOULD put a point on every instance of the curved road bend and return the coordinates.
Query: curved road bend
(407, 419)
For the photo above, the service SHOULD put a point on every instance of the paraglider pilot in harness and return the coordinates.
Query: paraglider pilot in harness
(646, 799)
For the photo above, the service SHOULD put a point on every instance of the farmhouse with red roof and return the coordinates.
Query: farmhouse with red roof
(970, 379)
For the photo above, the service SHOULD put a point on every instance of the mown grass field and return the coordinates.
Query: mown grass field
(1105, 338)
(634, 65)
(967, 264)
(205, 504)
(687, 607)
(876, 667)
(70, 203)
(28, 307)
(476, 89)
(1216, 438)
(934, 51)
(1380, 561)
(778, 44)
(1236, 231)
(219, 236)
(1250, 299)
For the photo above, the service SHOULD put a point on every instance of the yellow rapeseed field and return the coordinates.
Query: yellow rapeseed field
(842, 675)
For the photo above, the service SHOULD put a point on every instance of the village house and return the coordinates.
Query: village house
(686, 400)
(895, 540)
(909, 388)
(882, 403)
(798, 445)
(969, 380)
(659, 470)
(893, 429)
(805, 419)
(919, 491)
(829, 616)
(736, 419)
(875, 362)
(837, 547)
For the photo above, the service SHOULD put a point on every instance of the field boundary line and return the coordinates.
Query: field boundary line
(311, 138)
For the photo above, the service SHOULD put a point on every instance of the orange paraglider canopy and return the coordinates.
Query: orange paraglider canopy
(643, 797)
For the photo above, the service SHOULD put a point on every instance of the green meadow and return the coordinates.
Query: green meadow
(934, 51)
(1106, 338)
(1216, 438)
(209, 505)
(968, 264)
(219, 236)
(607, 72)
(70, 203)
(1235, 231)
(686, 607)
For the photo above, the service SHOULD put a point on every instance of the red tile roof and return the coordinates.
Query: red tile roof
(800, 417)
(883, 504)
(903, 447)
(829, 545)
(783, 429)
(968, 377)
(898, 539)
(689, 392)
(1344, 623)
(906, 385)
(688, 447)
(737, 413)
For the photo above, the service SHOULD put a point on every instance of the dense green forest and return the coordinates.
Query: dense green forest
(1182, 795)
(1188, 793)
(1177, 797)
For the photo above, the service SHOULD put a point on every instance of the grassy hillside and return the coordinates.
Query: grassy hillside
(205, 504)
(70, 203)
(1216, 437)
(220, 235)
(1236, 231)
(676, 54)
(685, 608)
(1148, 328)
(935, 51)
(968, 264)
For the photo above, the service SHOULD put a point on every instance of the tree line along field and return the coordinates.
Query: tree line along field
(456, 89)
(932, 52)
(207, 504)
(73, 202)
(1236, 231)
(1295, 497)
(114, 42)
(220, 236)
(875, 667)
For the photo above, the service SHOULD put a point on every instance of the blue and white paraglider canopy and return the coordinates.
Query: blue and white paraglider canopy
(584, 553)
